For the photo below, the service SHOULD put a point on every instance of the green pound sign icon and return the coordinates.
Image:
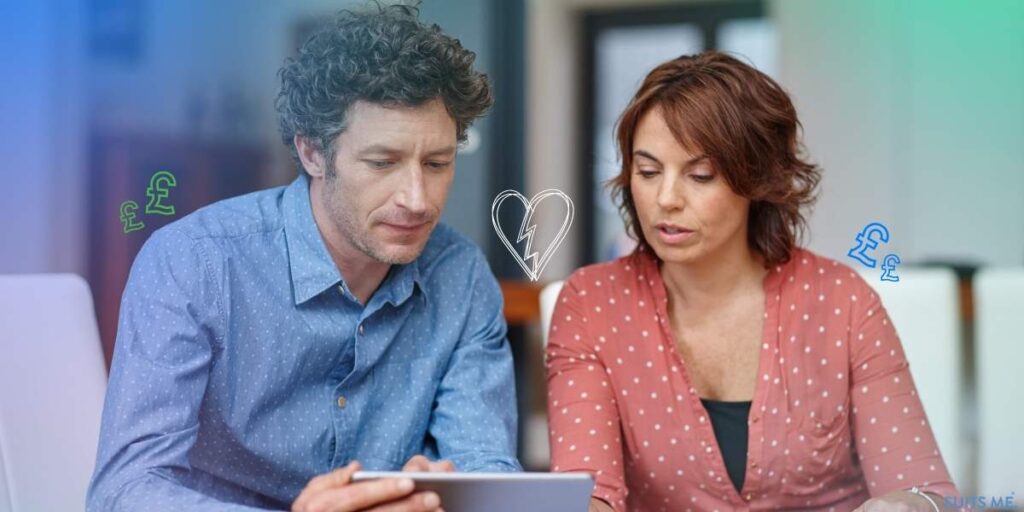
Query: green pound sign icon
(157, 191)
(128, 209)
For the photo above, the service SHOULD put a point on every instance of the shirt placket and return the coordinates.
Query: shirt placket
(764, 395)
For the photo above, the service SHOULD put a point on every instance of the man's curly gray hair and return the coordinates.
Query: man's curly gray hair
(383, 55)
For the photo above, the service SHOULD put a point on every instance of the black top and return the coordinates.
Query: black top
(729, 421)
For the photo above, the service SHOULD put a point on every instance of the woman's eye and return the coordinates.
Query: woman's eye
(702, 178)
(646, 173)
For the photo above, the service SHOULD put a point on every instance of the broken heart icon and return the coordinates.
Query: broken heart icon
(527, 229)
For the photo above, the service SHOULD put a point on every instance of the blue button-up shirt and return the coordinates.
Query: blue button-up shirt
(244, 366)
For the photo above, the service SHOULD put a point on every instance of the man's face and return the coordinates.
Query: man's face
(386, 188)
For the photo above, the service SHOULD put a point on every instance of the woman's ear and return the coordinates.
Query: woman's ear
(311, 156)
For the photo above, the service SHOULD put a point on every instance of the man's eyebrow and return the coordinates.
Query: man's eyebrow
(387, 150)
(379, 148)
(447, 150)
(689, 163)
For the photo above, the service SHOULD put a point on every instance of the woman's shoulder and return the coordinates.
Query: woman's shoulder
(812, 270)
(609, 274)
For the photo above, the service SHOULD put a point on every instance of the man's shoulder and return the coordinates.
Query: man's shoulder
(451, 257)
(247, 214)
(446, 247)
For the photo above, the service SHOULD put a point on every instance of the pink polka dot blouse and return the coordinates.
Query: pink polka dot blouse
(835, 418)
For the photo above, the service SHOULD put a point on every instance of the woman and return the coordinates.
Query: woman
(720, 366)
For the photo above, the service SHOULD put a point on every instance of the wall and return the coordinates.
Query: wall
(916, 111)
(59, 94)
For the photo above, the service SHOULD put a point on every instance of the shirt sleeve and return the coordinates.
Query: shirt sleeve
(161, 361)
(894, 441)
(474, 419)
(583, 420)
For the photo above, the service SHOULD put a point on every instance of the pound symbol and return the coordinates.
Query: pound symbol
(889, 266)
(128, 209)
(865, 243)
(157, 192)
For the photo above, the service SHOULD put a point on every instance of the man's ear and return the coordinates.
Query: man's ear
(311, 156)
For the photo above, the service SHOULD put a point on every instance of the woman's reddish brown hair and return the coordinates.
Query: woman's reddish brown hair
(746, 125)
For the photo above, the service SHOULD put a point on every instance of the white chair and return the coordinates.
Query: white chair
(925, 308)
(52, 382)
(537, 452)
(548, 296)
(999, 350)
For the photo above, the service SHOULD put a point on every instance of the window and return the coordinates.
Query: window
(620, 48)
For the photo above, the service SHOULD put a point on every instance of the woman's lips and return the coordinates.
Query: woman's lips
(673, 235)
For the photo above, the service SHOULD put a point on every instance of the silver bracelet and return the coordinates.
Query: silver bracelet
(918, 492)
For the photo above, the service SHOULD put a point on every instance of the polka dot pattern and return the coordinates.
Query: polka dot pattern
(244, 367)
(835, 417)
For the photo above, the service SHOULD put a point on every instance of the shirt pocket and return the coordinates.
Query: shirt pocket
(818, 449)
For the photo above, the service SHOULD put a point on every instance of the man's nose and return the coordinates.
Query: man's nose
(412, 195)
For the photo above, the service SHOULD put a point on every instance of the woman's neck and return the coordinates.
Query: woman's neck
(714, 279)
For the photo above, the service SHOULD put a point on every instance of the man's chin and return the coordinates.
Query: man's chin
(399, 254)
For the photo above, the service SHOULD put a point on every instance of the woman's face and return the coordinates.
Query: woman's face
(687, 211)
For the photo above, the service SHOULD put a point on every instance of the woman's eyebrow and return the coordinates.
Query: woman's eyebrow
(689, 163)
(646, 155)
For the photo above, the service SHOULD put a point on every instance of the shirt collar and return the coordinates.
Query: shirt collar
(401, 282)
(312, 269)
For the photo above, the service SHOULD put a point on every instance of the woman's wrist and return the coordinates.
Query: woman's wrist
(932, 498)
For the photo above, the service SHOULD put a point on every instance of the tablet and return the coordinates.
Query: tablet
(500, 492)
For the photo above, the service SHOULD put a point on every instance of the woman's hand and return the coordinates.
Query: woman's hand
(899, 501)
(597, 505)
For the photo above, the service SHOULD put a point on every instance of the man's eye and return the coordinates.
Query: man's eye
(438, 165)
(378, 164)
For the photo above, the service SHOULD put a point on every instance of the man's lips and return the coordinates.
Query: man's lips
(405, 228)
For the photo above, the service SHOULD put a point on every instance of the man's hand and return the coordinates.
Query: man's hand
(335, 492)
(422, 464)
(899, 501)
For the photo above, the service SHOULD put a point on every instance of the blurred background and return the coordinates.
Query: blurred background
(914, 108)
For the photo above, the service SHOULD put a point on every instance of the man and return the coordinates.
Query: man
(277, 336)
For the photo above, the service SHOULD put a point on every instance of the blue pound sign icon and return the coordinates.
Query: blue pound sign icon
(865, 243)
(889, 267)
(128, 209)
(157, 192)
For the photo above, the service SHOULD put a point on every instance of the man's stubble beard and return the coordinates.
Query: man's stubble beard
(349, 227)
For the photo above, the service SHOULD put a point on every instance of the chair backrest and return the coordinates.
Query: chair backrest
(52, 382)
(548, 296)
(999, 351)
(925, 308)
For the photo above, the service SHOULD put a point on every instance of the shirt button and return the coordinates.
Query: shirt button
(342, 402)
(360, 329)
(753, 465)
(748, 497)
